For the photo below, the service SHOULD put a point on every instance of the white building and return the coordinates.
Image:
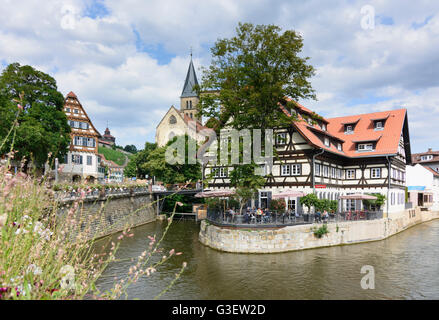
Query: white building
(423, 186)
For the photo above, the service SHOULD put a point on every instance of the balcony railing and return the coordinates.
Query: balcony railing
(273, 219)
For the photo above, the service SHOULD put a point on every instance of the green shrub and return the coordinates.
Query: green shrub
(320, 232)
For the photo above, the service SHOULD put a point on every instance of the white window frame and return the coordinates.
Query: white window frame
(365, 147)
(326, 171)
(350, 174)
(296, 169)
(375, 173)
(281, 138)
(285, 170)
(379, 125)
(349, 129)
(317, 169)
(339, 147)
(426, 157)
(327, 142)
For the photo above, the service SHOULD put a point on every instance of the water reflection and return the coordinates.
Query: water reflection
(406, 267)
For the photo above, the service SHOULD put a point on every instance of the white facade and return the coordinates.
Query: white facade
(83, 164)
(422, 180)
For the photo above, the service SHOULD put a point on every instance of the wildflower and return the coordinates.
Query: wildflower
(19, 106)
(179, 203)
(3, 219)
(32, 268)
(68, 277)
(171, 252)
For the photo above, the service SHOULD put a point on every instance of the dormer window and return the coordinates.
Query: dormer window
(379, 125)
(349, 129)
(426, 157)
(339, 146)
(326, 140)
(323, 126)
(365, 146)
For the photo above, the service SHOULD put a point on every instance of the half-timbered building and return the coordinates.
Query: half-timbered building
(364, 153)
(82, 162)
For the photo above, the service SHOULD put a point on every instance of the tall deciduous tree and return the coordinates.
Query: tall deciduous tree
(251, 73)
(135, 167)
(158, 166)
(43, 126)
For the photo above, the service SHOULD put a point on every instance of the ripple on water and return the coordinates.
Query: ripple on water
(406, 267)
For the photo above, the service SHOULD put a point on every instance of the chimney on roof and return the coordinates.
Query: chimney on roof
(429, 149)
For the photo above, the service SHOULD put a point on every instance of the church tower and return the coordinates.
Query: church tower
(189, 98)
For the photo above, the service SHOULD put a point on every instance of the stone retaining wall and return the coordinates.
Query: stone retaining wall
(302, 236)
(110, 214)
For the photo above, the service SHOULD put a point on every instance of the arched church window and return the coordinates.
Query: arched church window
(172, 120)
(190, 104)
(187, 104)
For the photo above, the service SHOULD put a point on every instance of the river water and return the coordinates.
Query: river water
(406, 267)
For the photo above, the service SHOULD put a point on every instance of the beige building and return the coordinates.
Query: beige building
(183, 121)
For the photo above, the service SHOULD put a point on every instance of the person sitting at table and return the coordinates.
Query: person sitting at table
(266, 215)
(317, 217)
(325, 216)
(258, 214)
(246, 216)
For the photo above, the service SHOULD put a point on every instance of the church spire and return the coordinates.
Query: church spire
(190, 82)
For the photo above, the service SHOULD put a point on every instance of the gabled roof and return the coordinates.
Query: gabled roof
(190, 82)
(387, 139)
(432, 171)
(72, 95)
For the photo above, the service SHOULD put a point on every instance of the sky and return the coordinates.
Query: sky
(127, 60)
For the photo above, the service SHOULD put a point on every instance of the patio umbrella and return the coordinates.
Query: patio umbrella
(215, 193)
(358, 196)
(288, 193)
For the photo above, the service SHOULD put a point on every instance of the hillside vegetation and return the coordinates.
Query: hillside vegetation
(114, 155)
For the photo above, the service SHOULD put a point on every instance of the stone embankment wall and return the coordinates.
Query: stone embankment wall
(302, 237)
(106, 214)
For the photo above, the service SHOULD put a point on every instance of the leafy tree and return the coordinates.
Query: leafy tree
(135, 167)
(42, 125)
(130, 148)
(245, 182)
(157, 165)
(251, 73)
(277, 205)
(310, 200)
(381, 198)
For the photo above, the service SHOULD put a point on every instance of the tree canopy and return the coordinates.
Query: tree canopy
(251, 73)
(135, 167)
(42, 125)
(157, 165)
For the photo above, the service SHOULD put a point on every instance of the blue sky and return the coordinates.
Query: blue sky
(127, 60)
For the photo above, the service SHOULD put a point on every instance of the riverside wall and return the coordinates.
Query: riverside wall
(302, 237)
(104, 215)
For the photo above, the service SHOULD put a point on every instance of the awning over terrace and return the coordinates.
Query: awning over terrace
(288, 193)
(358, 196)
(215, 194)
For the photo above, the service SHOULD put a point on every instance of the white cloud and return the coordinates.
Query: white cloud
(99, 57)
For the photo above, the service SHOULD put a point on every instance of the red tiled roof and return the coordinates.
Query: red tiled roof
(200, 127)
(71, 94)
(387, 139)
(433, 171)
